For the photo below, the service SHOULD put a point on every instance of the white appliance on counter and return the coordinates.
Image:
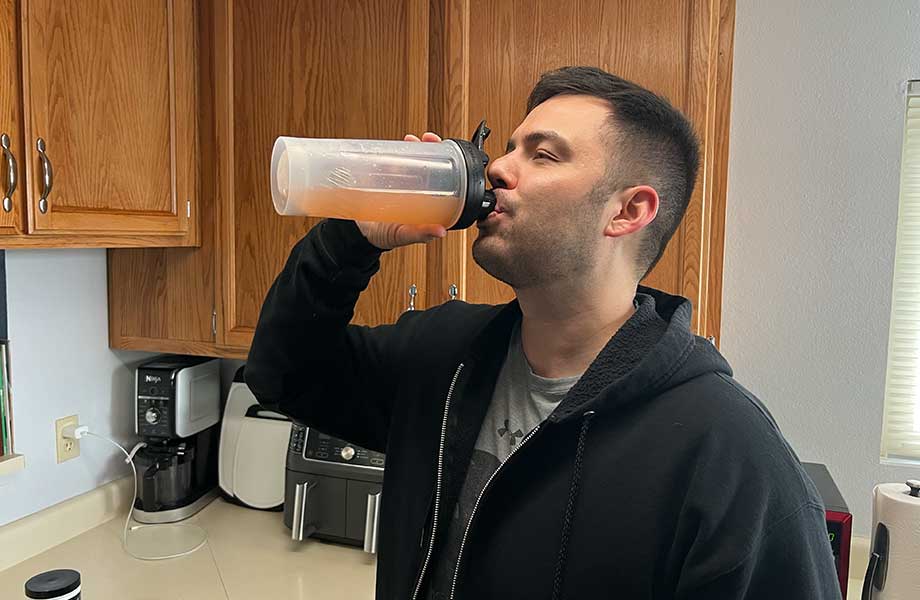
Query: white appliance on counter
(253, 449)
(894, 560)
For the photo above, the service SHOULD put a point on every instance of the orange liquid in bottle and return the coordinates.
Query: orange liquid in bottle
(378, 205)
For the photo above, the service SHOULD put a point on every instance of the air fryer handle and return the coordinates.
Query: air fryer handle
(300, 528)
(371, 523)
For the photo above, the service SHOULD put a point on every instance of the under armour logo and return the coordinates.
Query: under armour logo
(506, 430)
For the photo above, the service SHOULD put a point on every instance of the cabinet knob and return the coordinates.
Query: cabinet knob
(47, 176)
(11, 173)
(413, 292)
(452, 291)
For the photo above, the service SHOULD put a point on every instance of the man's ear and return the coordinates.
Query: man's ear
(638, 207)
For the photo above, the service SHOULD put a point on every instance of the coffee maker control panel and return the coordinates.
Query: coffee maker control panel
(154, 416)
(176, 396)
(154, 403)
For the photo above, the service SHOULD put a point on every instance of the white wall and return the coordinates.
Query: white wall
(62, 365)
(817, 121)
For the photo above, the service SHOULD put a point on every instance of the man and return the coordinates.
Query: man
(579, 442)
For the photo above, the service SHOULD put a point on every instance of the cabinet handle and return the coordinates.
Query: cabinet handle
(370, 523)
(452, 291)
(11, 173)
(413, 292)
(47, 176)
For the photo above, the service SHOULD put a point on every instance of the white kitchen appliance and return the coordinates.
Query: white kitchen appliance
(253, 449)
(894, 560)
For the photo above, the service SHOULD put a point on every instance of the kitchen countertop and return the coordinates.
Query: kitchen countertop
(249, 554)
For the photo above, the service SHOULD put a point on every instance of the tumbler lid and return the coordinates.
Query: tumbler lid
(53, 584)
(479, 201)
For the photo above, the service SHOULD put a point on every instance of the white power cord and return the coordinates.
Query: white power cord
(77, 433)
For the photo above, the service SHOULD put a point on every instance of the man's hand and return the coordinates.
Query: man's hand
(387, 236)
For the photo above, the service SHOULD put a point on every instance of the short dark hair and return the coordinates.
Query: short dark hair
(663, 149)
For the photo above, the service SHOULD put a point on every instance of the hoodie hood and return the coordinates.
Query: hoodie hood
(653, 351)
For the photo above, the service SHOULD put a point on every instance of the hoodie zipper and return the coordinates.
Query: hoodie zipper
(453, 585)
(437, 494)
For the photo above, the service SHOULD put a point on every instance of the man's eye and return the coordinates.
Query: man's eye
(541, 154)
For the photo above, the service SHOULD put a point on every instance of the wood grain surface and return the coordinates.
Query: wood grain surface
(379, 69)
(321, 69)
(162, 299)
(109, 86)
(13, 222)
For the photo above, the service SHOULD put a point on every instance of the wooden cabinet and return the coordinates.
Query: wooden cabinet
(12, 168)
(307, 69)
(380, 69)
(100, 104)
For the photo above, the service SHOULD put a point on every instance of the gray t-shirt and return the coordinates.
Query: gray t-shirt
(521, 401)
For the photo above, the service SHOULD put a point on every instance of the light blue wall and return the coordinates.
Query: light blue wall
(62, 365)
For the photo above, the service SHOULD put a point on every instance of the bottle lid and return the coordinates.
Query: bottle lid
(479, 201)
(60, 583)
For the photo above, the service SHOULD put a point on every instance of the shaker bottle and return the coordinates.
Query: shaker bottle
(387, 181)
(60, 584)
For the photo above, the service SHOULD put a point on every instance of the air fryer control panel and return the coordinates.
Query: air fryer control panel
(310, 444)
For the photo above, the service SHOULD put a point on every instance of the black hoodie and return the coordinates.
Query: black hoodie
(658, 476)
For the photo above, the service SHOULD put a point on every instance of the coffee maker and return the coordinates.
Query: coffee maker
(177, 410)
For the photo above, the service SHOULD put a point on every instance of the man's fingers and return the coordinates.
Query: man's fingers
(426, 137)
(421, 233)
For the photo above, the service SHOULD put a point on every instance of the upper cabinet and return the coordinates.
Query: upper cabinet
(100, 109)
(308, 69)
(378, 69)
(12, 150)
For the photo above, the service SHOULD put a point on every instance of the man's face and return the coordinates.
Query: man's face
(551, 193)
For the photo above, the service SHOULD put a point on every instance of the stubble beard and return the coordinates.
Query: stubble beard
(541, 253)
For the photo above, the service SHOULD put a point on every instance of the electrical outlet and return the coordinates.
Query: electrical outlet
(66, 447)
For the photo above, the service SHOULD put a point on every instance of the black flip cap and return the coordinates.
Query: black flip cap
(479, 201)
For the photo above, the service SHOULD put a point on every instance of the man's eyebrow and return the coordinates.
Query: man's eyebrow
(535, 137)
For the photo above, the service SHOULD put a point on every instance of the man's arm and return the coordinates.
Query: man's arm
(791, 560)
(306, 361)
(753, 524)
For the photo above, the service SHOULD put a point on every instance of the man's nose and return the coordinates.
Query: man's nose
(501, 173)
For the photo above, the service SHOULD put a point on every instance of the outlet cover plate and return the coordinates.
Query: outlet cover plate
(66, 448)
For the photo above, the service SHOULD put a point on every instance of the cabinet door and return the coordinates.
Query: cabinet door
(109, 95)
(308, 68)
(163, 299)
(679, 48)
(12, 168)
